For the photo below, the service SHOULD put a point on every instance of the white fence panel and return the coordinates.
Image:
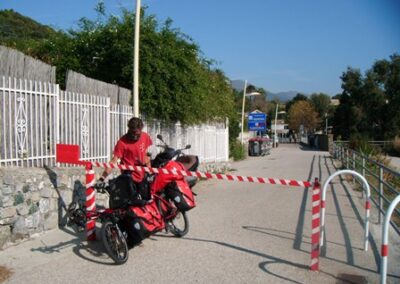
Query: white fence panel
(28, 122)
(36, 116)
(209, 142)
(85, 121)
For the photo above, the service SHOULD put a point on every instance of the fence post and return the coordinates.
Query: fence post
(108, 131)
(315, 225)
(57, 119)
(363, 173)
(354, 163)
(380, 194)
(90, 202)
(385, 238)
(347, 158)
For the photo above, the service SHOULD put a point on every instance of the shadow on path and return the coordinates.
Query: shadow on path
(360, 219)
(271, 260)
(302, 211)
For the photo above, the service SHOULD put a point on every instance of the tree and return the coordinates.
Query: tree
(302, 113)
(177, 83)
(298, 97)
(321, 103)
(369, 104)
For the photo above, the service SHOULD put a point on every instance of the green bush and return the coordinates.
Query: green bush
(237, 151)
(360, 144)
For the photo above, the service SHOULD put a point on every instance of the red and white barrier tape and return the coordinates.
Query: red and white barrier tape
(315, 226)
(207, 175)
(90, 202)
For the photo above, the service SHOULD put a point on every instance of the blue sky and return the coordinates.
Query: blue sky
(279, 45)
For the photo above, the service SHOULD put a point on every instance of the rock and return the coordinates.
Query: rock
(25, 188)
(41, 185)
(7, 190)
(8, 201)
(44, 205)
(46, 192)
(19, 226)
(53, 204)
(5, 235)
(7, 212)
(33, 221)
(66, 196)
(22, 209)
(51, 221)
(8, 221)
(63, 180)
(8, 179)
(35, 197)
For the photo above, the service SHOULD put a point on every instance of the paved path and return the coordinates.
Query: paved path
(240, 233)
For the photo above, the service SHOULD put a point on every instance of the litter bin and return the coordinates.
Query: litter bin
(254, 147)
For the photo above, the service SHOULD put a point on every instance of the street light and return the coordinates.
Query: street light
(276, 118)
(136, 62)
(244, 99)
(326, 123)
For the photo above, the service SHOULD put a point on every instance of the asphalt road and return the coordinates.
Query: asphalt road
(239, 233)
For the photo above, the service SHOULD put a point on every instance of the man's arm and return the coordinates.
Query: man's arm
(147, 161)
(107, 171)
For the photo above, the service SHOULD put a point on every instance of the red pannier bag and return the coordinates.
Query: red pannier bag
(144, 221)
(181, 194)
(175, 186)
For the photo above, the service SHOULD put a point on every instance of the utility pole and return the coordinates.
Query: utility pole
(136, 62)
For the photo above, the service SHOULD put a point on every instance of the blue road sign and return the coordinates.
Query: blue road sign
(257, 122)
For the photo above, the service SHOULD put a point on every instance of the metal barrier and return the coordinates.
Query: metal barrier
(367, 204)
(385, 238)
(384, 182)
(70, 154)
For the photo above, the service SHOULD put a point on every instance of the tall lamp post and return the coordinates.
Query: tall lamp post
(276, 118)
(244, 99)
(326, 123)
(136, 62)
(276, 140)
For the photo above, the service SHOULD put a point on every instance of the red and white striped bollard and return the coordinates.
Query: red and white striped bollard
(315, 225)
(90, 202)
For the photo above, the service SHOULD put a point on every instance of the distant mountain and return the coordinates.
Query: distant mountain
(14, 26)
(237, 85)
(281, 96)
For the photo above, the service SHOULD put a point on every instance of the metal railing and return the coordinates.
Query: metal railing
(384, 182)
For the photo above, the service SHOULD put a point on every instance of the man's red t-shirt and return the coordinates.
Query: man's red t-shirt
(133, 152)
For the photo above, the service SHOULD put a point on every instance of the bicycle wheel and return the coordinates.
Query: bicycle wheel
(179, 225)
(114, 242)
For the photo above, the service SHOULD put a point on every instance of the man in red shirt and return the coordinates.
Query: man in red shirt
(131, 150)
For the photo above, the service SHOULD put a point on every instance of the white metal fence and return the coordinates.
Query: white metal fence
(85, 121)
(28, 122)
(35, 116)
(209, 141)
